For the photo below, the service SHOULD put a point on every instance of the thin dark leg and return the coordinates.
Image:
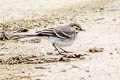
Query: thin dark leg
(65, 50)
(56, 49)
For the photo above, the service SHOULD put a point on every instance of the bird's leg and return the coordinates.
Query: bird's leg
(57, 49)
(65, 50)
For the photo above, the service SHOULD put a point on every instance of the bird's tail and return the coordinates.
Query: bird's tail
(24, 36)
(18, 36)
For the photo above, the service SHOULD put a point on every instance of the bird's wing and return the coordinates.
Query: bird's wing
(63, 32)
(60, 32)
(46, 32)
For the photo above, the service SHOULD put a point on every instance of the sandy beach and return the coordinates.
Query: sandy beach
(36, 59)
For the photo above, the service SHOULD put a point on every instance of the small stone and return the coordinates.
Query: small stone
(38, 79)
(89, 75)
(40, 68)
(87, 70)
(63, 70)
(101, 8)
(114, 19)
(23, 72)
(74, 66)
(111, 53)
(49, 53)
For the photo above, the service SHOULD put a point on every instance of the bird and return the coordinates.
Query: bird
(60, 36)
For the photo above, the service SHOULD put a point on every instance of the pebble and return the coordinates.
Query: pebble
(49, 53)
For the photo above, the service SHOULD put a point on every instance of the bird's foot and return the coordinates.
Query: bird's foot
(67, 51)
(60, 53)
(63, 53)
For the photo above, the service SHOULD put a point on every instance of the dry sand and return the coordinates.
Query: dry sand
(100, 19)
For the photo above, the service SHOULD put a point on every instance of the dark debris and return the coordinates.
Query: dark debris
(20, 59)
(93, 50)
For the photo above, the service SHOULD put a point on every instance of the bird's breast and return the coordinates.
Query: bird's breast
(61, 42)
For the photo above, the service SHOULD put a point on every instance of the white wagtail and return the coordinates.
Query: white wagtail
(61, 36)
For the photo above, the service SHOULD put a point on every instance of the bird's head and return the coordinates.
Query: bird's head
(76, 27)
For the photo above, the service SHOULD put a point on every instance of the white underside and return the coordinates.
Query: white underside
(61, 42)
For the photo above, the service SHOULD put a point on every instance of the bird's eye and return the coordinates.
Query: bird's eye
(76, 28)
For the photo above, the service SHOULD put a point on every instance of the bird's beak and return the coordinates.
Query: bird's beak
(82, 30)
